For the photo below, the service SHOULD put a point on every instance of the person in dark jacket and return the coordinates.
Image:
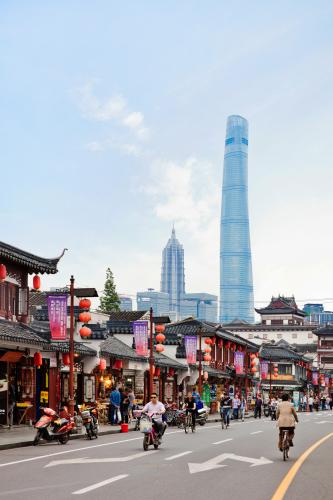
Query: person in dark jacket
(257, 407)
(115, 400)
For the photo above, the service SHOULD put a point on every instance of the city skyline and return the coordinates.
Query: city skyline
(134, 145)
(173, 273)
(236, 281)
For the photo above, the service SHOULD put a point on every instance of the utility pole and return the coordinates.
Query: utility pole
(71, 350)
(270, 378)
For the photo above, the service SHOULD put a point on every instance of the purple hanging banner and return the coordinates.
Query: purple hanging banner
(327, 380)
(264, 369)
(57, 309)
(315, 378)
(239, 362)
(191, 349)
(140, 332)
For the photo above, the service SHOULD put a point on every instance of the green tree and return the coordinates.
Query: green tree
(109, 301)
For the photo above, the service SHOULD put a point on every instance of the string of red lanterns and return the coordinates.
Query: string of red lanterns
(85, 317)
(160, 337)
(3, 272)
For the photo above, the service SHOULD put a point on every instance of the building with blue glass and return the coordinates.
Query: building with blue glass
(172, 275)
(159, 301)
(236, 285)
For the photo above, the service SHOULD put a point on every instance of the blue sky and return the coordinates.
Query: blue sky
(113, 123)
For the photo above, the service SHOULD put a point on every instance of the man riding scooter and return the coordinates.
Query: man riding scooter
(157, 408)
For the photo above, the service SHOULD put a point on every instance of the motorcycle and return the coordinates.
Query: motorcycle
(90, 422)
(266, 410)
(151, 437)
(202, 416)
(51, 427)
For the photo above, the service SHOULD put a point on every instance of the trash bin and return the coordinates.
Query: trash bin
(124, 428)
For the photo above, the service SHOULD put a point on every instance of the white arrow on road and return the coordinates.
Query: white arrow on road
(324, 422)
(87, 460)
(213, 463)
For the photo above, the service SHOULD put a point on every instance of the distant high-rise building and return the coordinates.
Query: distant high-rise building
(125, 303)
(159, 301)
(202, 306)
(172, 276)
(236, 286)
(315, 313)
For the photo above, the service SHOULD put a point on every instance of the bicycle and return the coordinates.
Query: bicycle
(285, 444)
(188, 423)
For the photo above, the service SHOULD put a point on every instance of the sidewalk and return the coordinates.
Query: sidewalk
(19, 436)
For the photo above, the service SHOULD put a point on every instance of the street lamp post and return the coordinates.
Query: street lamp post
(151, 355)
(71, 349)
(200, 363)
(270, 378)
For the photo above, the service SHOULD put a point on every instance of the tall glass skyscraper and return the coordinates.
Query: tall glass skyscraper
(236, 285)
(172, 276)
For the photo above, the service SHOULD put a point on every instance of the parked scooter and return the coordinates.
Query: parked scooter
(202, 416)
(51, 427)
(266, 410)
(151, 437)
(90, 422)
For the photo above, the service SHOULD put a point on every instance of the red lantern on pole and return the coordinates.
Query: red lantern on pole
(171, 372)
(207, 357)
(66, 359)
(36, 282)
(38, 359)
(213, 340)
(160, 337)
(85, 332)
(85, 317)
(118, 364)
(220, 343)
(3, 272)
(102, 364)
(208, 341)
(157, 372)
(85, 304)
(208, 349)
(159, 328)
(159, 348)
(228, 344)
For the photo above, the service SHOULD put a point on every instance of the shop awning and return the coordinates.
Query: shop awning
(11, 356)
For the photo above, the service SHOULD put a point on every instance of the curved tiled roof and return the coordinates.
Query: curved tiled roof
(33, 263)
(20, 333)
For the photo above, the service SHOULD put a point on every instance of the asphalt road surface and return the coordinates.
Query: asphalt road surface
(240, 462)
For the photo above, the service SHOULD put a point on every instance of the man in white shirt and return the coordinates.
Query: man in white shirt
(158, 408)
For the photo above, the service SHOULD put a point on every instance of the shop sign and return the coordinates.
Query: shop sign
(239, 362)
(315, 378)
(44, 396)
(57, 309)
(191, 349)
(140, 331)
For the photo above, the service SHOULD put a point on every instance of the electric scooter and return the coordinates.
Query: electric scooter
(50, 427)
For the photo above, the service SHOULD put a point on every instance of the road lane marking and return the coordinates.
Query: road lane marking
(256, 432)
(290, 476)
(99, 485)
(223, 441)
(179, 455)
(324, 422)
(87, 460)
(40, 457)
(214, 463)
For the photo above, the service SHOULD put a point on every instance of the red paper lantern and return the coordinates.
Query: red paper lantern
(159, 348)
(118, 364)
(38, 359)
(102, 364)
(85, 332)
(160, 337)
(253, 369)
(253, 363)
(220, 343)
(36, 282)
(85, 317)
(213, 340)
(3, 272)
(263, 376)
(228, 344)
(157, 372)
(240, 348)
(159, 328)
(208, 341)
(66, 360)
(233, 347)
(84, 304)
(276, 375)
(208, 349)
(171, 372)
(207, 357)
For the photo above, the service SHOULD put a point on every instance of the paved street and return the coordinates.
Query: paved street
(231, 462)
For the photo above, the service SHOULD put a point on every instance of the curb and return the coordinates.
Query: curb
(22, 444)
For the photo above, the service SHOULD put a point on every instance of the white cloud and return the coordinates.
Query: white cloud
(133, 120)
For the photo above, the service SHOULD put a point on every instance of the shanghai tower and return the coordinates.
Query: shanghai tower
(236, 286)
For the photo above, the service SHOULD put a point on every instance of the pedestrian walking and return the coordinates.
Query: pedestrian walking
(124, 405)
(131, 397)
(304, 402)
(115, 400)
(235, 406)
(311, 401)
(242, 408)
(11, 401)
(258, 407)
(331, 403)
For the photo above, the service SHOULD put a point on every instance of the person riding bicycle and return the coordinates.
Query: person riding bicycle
(155, 406)
(226, 403)
(286, 418)
(191, 408)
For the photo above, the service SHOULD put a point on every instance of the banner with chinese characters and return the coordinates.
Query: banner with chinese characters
(140, 332)
(315, 378)
(191, 349)
(264, 369)
(57, 309)
(239, 362)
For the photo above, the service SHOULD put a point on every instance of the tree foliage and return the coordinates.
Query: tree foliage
(109, 301)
